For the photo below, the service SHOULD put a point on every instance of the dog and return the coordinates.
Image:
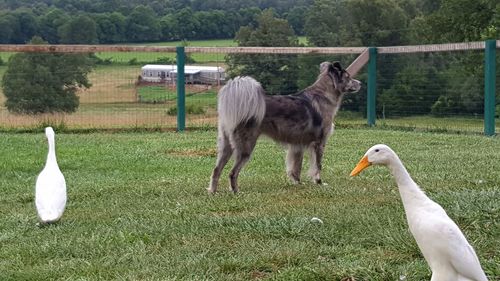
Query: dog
(300, 121)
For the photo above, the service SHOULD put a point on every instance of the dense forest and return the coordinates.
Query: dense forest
(324, 22)
(438, 83)
(119, 21)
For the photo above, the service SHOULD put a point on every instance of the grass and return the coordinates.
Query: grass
(142, 57)
(156, 94)
(111, 102)
(159, 94)
(138, 209)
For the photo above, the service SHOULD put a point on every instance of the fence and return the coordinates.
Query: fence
(428, 87)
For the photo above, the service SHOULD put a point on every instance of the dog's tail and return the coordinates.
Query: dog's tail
(241, 100)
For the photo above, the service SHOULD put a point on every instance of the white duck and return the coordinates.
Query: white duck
(50, 190)
(443, 245)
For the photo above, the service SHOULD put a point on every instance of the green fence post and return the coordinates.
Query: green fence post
(372, 86)
(489, 87)
(181, 90)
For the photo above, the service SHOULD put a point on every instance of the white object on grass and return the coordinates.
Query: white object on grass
(50, 189)
(443, 245)
(316, 220)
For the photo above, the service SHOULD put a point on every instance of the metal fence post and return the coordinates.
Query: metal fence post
(489, 87)
(372, 86)
(181, 90)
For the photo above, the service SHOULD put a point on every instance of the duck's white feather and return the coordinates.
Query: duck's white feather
(50, 190)
(443, 245)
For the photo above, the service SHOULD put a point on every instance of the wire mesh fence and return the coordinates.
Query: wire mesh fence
(437, 91)
(441, 91)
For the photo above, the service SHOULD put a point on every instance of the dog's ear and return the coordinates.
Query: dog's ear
(336, 71)
(324, 66)
(337, 65)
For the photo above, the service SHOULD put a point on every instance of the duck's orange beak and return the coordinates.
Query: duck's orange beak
(363, 164)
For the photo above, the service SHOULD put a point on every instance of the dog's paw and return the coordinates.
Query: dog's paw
(234, 189)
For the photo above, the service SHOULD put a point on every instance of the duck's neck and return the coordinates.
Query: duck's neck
(51, 156)
(408, 189)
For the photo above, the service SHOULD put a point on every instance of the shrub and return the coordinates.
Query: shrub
(164, 60)
(42, 83)
(133, 61)
(190, 109)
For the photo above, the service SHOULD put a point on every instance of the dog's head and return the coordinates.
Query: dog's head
(341, 78)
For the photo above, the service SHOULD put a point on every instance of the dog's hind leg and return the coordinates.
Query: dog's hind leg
(316, 156)
(223, 155)
(243, 142)
(294, 157)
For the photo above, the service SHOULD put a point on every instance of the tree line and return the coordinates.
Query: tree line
(106, 22)
(408, 84)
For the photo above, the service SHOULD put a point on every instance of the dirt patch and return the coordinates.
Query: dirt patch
(211, 152)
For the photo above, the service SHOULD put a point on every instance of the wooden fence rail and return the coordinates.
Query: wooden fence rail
(244, 50)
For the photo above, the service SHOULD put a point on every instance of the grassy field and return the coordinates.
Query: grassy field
(159, 94)
(141, 57)
(138, 209)
(112, 102)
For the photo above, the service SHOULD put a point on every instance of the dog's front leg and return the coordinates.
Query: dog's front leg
(294, 158)
(316, 156)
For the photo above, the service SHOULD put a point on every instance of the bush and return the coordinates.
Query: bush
(190, 109)
(44, 83)
(133, 61)
(100, 61)
(164, 60)
(445, 106)
(172, 111)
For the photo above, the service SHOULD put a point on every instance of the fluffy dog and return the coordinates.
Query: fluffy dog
(300, 121)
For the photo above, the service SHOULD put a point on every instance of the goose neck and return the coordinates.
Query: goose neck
(408, 189)
(51, 156)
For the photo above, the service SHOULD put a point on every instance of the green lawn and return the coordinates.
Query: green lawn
(141, 57)
(138, 209)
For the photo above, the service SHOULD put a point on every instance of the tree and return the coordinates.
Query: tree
(50, 23)
(28, 26)
(276, 73)
(185, 24)
(79, 30)
(379, 22)
(37, 83)
(414, 89)
(296, 18)
(457, 21)
(142, 25)
(8, 28)
(462, 20)
(329, 23)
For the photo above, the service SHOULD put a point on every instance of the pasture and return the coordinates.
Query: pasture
(138, 209)
(112, 102)
(141, 57)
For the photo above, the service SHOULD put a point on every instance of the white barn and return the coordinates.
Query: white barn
(198, 74)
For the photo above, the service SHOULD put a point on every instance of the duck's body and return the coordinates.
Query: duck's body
(50, 190)
(445, 248)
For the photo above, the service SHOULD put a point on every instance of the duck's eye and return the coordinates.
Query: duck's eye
(377, 150)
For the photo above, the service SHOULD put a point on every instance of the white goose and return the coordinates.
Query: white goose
(443, 245)
(50, 190)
